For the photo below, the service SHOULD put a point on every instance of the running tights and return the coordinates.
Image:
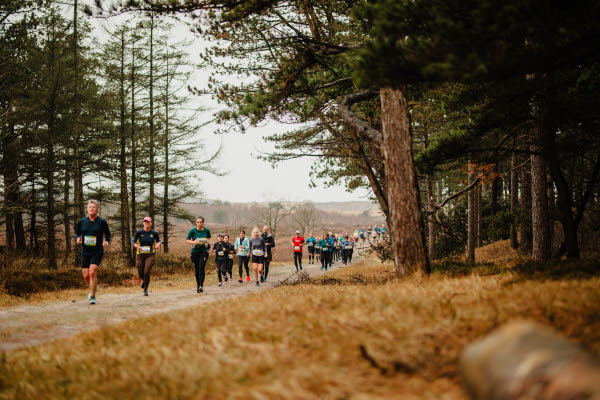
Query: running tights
(243, 260)
(199, 260)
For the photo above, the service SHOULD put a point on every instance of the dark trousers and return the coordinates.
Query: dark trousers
(326, 257)
(298, 259)
(243, 260)
(230, 267)
(221, 267)
(349, 253)
(144, 264)
(266, 265)
(199, 260)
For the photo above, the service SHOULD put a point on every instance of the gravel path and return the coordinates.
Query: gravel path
(32, 325)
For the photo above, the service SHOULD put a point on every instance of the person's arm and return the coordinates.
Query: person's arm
(189, 238)
(265, 247)
(78, 233)
(107, 236)
(272, 242)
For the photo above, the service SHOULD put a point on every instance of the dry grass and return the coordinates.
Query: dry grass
(352, 333)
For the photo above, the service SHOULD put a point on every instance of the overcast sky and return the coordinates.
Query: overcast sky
(289, 180)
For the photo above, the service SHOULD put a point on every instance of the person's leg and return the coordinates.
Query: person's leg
(240, 264)
(93, 279)
(322, 257)
(300, 259)
(296, 260)
(203, 260)
(260, 271)
(219, 264)
(255, 269)
(139, 263)
(230, 268)
(266, 268)
(196, 262)
(148, 264)
(246, 265)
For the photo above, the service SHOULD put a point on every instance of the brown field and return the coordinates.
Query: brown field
(352, 333)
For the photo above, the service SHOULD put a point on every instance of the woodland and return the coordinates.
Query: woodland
(470, 122)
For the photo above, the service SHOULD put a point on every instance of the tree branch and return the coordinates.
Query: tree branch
(352, 120)
(455, 195)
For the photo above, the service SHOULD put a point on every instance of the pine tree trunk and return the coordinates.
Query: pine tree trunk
(402, 190)
(124, 219)
(166, 183)
(50, 212)
(438, 185)
(66, 208)
(430, 218)
(526, 233)
(514, 199)
(539, 197)
(471, 219)
(151, 142)
(478, 195)
(133, 148)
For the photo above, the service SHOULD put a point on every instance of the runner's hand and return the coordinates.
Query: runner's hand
(105, 243)
(157, 246)
(78, 241)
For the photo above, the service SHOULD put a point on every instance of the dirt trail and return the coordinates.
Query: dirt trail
(31, 325)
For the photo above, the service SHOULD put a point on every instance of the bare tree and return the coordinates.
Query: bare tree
(305, 216)
(274, 213)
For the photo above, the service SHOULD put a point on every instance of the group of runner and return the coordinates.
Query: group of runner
(93, 233)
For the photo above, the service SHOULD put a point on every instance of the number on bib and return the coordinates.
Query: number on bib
(89, 240)
(145, 249)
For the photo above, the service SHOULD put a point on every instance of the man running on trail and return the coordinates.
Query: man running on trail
(325, 251)
(242, 246)
(92, 231)
(222, 250)
(378, 231)
(270, 242)
(311, 243)
(298, 242)
(146, 242)
(199, 238)
(229, 258)
(361, 233)
(258, 248)
(350, 250)
(346, 249)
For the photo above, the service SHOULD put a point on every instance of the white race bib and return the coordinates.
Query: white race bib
(221, 253)
(257, 252)
(145, 249)
(296, 248)
(231, 256)
(89, 240)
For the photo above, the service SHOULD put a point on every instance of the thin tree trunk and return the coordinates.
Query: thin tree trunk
(471, 219)
(526, 233)
(66, 209)
(539, 195)
(402, 188)
(151, 143)
(430, 207)
(478, 195)
(514, 198)
(166, 183)
(124, 219)
(133, 147)
(438, 185)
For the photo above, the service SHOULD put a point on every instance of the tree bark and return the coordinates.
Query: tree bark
(539, 196)
(478, 195)
(402, 187)
(151, 143)
(525, 230)
(471, 219)
(514, 199)
(166, 182)
(124, 219)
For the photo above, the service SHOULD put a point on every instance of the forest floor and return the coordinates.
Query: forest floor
(352, 333)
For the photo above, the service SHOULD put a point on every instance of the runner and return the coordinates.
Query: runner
(222, 251)
(298, 242)
(199, 237)
(330, 252)
(146, 242)
(338, 247)
(270, 242)
(356, 236)
(92, 231)
(318, 250)
(383, 230)
(378, 232)
(242, 246)
(374, 235)
(311, 243)
(258, 248)
(346, 249)
(325, 251)
(229, 258)
(361, 233)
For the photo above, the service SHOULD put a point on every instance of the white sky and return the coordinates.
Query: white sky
(289, 180)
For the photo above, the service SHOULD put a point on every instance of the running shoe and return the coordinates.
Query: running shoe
(321, 267)
(301, 268)
(89, 296)
(199, 290)
(262, 279)
(142, 285)
(240, 280)
(265, 279)
(257, 283)
(92, 300)
(226, 278)
(145, 292)
(248, 278)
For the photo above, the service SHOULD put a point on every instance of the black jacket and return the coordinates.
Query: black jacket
(268, 238)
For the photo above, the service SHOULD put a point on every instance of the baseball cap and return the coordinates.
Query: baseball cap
(297, 231)
(147, 219)
(221, 234)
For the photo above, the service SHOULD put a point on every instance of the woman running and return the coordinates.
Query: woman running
(146, 242)
(311, 242)
(242, 246)
(325, 246)
(221, 250)
(229, 257)
(199, 238)
(258, 248)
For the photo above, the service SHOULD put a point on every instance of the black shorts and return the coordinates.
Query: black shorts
(258, 259)
(89, 259)
(311, 249)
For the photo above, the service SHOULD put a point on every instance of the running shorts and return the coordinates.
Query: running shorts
(89, 259)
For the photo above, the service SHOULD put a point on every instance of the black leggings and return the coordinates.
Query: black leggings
(199, 260)
(266, 266)
(243, 260)
(221, 267)
(297, 259)
(311, 255)
(230, 267)
(144, 264)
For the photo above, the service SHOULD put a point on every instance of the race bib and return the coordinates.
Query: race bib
(145, 249)
(296, 248)
(89, 240)
(231, 256)
(221, 253)
(257, 252)
(242, 248)
(318, 247)
(311, 245)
